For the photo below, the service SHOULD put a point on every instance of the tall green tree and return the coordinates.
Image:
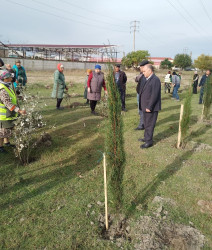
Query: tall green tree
(114, 140)
(186, 114)
(207, 97)
(132, 59)
(166, 64)
(182, 61)
(203, 62)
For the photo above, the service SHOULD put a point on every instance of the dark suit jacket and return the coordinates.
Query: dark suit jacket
(150, 94)
(141, 83)
(122, 79)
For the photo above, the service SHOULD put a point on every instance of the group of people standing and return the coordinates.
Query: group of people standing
(175, 80)
(148, 92)
(9, 109)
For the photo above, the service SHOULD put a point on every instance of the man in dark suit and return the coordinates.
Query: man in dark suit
(120, 79)
(140, 79)
(150, 103)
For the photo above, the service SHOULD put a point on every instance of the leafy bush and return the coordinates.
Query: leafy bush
(26, 127)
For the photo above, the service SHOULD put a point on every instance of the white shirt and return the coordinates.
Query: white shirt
(149, 77)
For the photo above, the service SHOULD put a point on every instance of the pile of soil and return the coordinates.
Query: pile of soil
(152, 232)
(44, 140)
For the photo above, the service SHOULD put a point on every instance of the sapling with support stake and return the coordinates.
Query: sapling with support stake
(207, 99)
(115, 141)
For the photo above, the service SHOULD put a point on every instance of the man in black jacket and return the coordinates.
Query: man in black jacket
(121, 79)
(150, 103)
(140, 79)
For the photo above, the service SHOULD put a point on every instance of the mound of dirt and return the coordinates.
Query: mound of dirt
(45, 140)
(153, 233)
(76, 104)
(199, 147)
(205, 206)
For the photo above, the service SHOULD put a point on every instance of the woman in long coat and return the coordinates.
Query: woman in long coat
(8, 109)
(59, 85)
(95, 83)
(85, 86)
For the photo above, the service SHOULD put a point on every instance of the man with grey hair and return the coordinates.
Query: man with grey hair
(150, 103)
(140, 79)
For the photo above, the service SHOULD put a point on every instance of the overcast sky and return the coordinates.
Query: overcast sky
(167, 27)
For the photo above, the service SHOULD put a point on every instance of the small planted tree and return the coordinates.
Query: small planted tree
(207, 98)
(186, 115)
(114, 140)
(26, 128)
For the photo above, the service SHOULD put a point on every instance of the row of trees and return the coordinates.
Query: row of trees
(183, 61)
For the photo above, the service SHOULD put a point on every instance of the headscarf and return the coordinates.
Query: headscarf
(5, 74)
(89, 71)
(59, 66)
(98, 67)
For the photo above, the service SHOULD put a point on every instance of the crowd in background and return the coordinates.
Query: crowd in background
(13, 79)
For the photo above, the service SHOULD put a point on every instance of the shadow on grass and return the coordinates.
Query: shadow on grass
(170, 108)
(172, 128)
(149, 191)
(62, 170)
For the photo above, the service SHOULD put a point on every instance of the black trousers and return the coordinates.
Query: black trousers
(93, 105)
(59, 100)
(149, 125)
(122, 95)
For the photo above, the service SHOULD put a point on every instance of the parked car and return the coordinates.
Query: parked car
(189, 69)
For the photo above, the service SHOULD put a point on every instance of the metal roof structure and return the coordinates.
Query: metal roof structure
(63, 52)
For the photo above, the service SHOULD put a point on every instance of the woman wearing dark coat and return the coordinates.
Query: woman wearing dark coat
(85, 86)
(59, 85)
(195, 82)
(95, 83)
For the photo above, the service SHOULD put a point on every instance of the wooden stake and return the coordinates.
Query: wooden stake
(105, 187)
(202, 116)
(179, 133)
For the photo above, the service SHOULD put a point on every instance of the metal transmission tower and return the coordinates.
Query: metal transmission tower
(134, 27)
(185, 51)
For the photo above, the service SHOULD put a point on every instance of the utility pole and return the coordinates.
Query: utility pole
(134, 27)
(185, 51)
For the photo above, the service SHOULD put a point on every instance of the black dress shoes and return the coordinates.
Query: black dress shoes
(146, 145)
(140, 128)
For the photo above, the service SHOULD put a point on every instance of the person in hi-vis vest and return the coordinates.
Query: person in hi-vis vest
(8, 109)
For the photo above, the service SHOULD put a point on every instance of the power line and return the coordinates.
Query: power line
(69, 12)
(90, 11)
(205, 10)
(62, 17)
(193, 19)
(135, 29)
(182, 15)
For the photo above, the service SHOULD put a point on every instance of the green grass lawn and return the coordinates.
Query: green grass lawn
(45, 204)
